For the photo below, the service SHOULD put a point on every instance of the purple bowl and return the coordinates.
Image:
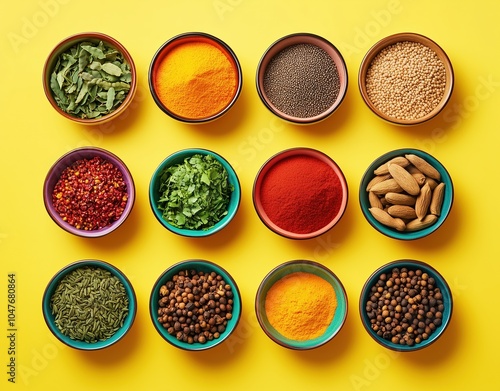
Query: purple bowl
(68, 159)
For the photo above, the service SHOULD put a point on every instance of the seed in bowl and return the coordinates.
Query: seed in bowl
(195, 306)
(406, 80)
(405, 306)
(406, 193)
(90, 194)
(89, 304)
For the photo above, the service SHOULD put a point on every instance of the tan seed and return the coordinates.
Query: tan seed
(402, 211)
(404, 179)
(420, 178)
(384, 187)
(384, 168)
(377, 179)
(417, 224)
(423, 201)
(424, 166)
(386, 219)
(432, 183)
(437, 199)
(400, 199)
(374, 200)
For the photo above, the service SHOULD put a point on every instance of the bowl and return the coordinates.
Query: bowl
(445, 312)
(74, 157)
(289, 187)
(178, 158)
(395, 233)
(288, 338)
(118, 102)
(66, 274)
(178, 78)
(302, 78)
(189, 268)
(406, 92)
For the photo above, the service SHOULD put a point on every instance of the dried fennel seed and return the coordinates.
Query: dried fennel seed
(89, 304)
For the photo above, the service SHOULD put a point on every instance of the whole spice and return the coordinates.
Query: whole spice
(196, 193)
(302, 81)
(89, 304)
(301, 306)
(90, 80)
(195, 306)
(90, 194)
(405, 306)
(196, 80)
(406, 80)
(301, 194)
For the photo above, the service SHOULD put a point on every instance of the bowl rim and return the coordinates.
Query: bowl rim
(313, 39)
(296, 151)
(180, 155)
(67, 43)
(78, 154)
(81, 345)
(405, 235)
(220, 44)
(183, 265)
(413, 37)
(292, 265)
(409, 264)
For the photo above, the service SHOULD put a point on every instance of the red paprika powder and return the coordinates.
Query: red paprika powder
(301, 194)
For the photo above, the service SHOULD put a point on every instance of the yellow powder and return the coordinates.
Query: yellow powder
(196, 80)
(301, 306)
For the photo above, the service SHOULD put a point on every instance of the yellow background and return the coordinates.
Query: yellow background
(464, 138)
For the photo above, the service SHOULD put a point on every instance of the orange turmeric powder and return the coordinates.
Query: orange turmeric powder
(301, 306)
(196, 80)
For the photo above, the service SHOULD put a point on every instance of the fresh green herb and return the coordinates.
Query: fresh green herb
(89, 304)
(195, 194)
(90, 80)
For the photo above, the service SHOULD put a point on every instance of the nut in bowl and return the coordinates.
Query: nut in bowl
(319, 308)
(406, 79)
(89, 192)
(195, 78)
(89, 78)
(194, 192)
(406, 305)
(302, 78)
(406, 194)
(195, 305)
(102, 296)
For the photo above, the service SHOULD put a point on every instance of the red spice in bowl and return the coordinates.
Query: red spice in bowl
(300, 193)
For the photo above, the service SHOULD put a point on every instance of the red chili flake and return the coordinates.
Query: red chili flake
(90, 194)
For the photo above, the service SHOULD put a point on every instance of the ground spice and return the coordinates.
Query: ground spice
(196, 80)
(301, 194)
(301, 306)
(302, 81)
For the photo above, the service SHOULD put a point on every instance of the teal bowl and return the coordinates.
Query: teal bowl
(440, 283)
(80, 344)
(198, 265)
(406, 235)
(306, 266)
(177, 158)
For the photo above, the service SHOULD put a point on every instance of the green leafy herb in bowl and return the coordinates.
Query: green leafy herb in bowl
(89, 78)
(194, 192)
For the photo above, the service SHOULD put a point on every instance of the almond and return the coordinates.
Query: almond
(385, 218)
(389, 185)
(420, 178)
(437, 199)
(419, 224)
(404, 179)
(374, 200)
(377, 179)
(423, 201)
(432, 183)
(400, 199)
(424, 166)
(402, 211)
(384, 168)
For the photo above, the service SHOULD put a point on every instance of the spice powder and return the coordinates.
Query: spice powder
(301, 306)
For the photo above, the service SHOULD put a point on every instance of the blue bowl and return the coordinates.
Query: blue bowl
(440, 283)
(406, 235)
(79, 344)
(199, 265)
(306, 266)
(177, 158)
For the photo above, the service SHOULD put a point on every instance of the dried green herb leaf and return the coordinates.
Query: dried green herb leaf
(111, 68)
(110, 98)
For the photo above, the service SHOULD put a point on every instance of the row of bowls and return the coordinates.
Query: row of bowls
(89, 152)
(274, 275)
(275, 48)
